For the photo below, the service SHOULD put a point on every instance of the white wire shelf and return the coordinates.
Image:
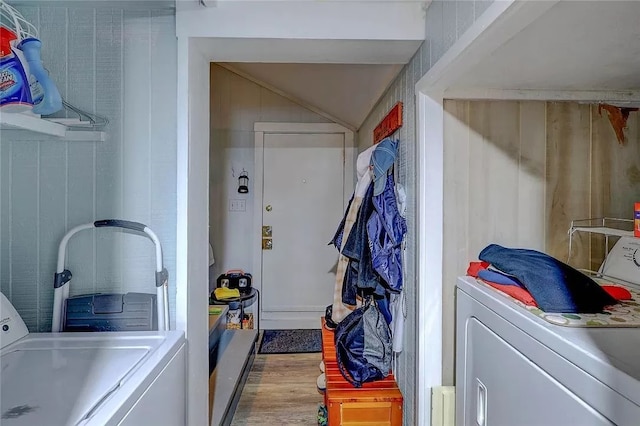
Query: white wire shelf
(61, 130)
(603, 225)
(607, 226)
(604, 231)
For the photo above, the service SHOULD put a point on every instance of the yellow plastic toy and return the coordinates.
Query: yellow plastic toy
(222, 293)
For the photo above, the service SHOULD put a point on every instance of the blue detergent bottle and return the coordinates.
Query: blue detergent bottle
(45, 95)
(15, 95)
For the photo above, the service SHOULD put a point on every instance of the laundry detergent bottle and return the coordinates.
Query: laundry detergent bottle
(45, 94)
(15, 95)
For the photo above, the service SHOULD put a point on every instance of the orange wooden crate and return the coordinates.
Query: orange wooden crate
(335, 380)
(328, 352)
(358, 406)
(375, 403)
(328, 345)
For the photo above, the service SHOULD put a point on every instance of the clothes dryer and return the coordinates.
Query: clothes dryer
(513, 368)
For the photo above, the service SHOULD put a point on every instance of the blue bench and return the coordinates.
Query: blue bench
(231, 355)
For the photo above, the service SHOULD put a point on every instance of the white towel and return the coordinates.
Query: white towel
(397, 323)
(212, 277)
(211, 259)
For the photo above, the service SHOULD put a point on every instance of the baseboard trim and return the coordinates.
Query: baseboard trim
(289, 324)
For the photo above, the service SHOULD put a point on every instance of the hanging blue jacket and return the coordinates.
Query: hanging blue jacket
(386, 229)
(360, 273)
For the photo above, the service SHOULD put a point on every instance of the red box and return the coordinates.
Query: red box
(636, 220)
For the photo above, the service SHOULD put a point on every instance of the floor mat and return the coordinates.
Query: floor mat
(290, 341)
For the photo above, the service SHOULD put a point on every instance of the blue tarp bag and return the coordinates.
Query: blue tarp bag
(363, 345)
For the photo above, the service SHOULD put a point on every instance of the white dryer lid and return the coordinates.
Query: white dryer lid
(59, 381)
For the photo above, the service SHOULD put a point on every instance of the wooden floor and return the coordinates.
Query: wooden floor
(280, 390)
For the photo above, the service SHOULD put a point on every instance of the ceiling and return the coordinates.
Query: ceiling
(347, 92)
(576, 45)
(330, 51)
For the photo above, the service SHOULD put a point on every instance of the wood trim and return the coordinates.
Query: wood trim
(258, 170)
(389, 124)
(192, 220)
(430, 204)
(285, 95)
(269, 127)
(620, 98)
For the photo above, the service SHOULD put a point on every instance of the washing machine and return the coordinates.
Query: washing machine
(90, 379)
(514, 368)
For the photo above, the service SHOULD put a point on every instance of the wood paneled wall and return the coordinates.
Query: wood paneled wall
(120, 63)
(236, 104)
(615, 177)
(568, 174)
(494, 188)
(517, 173)
(589, 175)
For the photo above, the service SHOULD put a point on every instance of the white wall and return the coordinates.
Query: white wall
(293, 19)
(192, 295)
(120, 63)
(446, 21)
(237, 103)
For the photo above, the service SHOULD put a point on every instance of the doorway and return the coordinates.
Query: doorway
(239, 154)
(237, 103)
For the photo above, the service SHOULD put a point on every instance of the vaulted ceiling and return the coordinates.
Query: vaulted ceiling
(347, 92)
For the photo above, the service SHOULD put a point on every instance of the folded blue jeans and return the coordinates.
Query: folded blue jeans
(555, 286)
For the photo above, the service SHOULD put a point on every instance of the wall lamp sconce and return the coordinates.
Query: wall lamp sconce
(243, 182)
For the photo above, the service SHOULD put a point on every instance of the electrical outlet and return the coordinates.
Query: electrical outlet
(237, 205)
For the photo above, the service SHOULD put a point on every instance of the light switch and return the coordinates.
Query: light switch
(236, 205)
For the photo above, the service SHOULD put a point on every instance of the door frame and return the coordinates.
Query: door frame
(262, 128)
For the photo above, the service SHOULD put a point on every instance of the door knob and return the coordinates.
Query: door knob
(268, 208)
(267, 244)
(266, 231)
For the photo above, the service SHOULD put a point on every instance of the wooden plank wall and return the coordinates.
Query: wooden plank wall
(615, 178)
(494, 188)
(517, 173)
(567, 178)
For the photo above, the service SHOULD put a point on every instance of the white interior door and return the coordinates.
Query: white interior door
(303, 197)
